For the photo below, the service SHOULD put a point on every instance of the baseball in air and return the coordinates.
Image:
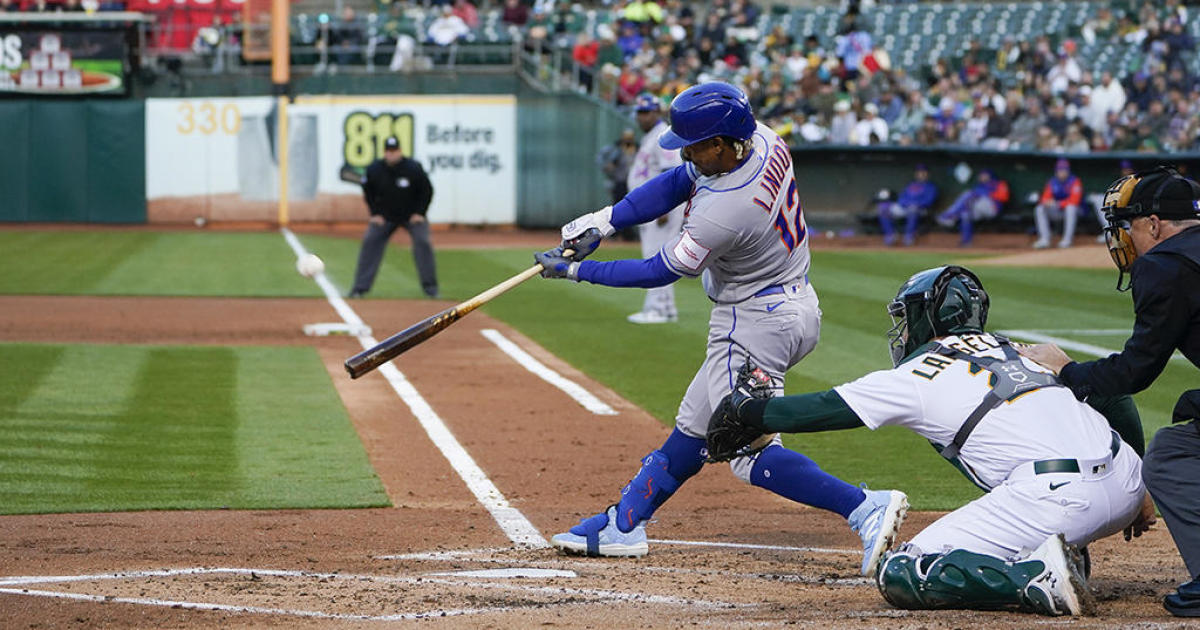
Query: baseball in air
(310, 265)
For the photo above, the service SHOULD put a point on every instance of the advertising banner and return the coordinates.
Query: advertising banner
(35, 60)
(218, 158)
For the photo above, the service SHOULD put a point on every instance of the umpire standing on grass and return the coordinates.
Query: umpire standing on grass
(398, 193)
(1153, 234)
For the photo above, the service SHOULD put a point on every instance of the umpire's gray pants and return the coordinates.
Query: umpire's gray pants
(1171, 469)
(375, 242)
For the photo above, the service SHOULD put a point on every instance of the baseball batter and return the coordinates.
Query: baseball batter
(1050, 464)
(744, 231)
(650, 161)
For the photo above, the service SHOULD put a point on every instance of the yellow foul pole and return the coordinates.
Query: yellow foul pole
(281, 71)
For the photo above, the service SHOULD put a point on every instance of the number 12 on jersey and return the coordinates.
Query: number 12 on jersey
(790, 220)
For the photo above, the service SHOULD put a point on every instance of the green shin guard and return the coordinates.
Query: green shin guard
(958, 579)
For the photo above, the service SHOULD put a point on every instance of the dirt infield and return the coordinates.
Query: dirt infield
(420, 561)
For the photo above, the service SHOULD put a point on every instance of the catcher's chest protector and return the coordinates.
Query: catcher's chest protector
(1010, 379)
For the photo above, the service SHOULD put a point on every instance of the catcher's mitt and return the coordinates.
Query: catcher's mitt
(729, 435)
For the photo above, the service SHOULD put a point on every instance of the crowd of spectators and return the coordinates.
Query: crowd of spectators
(1028, 95)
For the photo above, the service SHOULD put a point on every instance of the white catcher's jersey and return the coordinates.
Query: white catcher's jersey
(933, 395)
(745, 227)
(651, 159)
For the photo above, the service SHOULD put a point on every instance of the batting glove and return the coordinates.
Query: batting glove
(555, 265)
(600, 219)
(582, 245)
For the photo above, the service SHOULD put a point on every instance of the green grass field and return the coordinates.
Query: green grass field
(585, 325)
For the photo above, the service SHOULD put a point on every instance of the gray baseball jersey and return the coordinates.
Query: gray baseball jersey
(745, 228)
(745, 231)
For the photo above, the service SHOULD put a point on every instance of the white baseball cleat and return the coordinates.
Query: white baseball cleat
(599, 536)
(877, 521)
(651, 317)
(1060, 589)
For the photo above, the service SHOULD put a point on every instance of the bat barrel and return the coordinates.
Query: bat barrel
(399, 343)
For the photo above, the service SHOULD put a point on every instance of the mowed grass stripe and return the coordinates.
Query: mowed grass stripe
(150, 263)
(134, 427)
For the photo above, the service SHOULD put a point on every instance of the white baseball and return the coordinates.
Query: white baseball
(310, 265)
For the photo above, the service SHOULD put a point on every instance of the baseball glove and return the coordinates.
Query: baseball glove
(729, 435)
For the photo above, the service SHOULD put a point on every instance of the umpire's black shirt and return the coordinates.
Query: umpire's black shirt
(1166, 302)
(397, 192)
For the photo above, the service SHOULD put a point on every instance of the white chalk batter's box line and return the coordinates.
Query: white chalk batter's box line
(15, 585)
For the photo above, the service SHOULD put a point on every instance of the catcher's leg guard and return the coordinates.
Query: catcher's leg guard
(968, 580)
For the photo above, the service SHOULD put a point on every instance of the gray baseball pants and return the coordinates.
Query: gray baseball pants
(374, 244)
(1171, 469)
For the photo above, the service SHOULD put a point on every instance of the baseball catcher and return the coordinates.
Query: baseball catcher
(1054, 471)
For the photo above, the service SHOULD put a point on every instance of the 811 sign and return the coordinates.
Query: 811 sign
(366, 133)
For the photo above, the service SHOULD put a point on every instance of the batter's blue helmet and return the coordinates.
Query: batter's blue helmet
(647, 103)
(706, 111)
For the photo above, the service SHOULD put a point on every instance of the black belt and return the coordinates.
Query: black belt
(776, 289)
(1069, 465)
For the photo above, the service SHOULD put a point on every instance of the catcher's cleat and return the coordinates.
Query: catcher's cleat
(600, 536)
(1060, 589)
(877, 521)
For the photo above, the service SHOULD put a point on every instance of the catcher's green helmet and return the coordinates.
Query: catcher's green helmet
(932, 303)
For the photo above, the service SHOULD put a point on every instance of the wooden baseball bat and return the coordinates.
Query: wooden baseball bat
(401, 342)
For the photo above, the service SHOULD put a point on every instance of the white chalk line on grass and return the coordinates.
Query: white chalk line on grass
(1068, 344)
(571, 388)
(511, 520)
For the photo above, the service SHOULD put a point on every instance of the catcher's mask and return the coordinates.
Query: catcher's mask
(932, 303)
(1161, 191)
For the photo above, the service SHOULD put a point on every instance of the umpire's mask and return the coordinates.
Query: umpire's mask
(1160, 191)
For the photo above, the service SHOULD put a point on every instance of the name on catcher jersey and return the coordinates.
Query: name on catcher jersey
(933, 395)
(745, 228)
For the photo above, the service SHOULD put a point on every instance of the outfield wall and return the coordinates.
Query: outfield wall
(76, 161)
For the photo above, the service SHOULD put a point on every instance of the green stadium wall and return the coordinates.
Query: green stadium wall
(73, 161)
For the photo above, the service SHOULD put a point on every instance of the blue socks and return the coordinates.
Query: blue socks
(686, 455)
(794, 476)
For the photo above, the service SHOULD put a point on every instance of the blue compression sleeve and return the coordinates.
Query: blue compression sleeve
(645, 273)
(653, 199)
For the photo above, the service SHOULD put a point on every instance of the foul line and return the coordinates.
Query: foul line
(511, 520)
(1078, 346)
(571, 388)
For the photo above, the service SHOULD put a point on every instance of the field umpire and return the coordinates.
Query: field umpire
(1153, 234)
(398, 193)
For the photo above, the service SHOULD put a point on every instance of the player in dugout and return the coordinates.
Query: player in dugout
(1153, 235)
(1054, 472)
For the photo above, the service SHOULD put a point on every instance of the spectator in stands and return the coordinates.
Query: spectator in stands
(347, 38)
(467, 13)
(871, 129)
(8, 6)
(40, 6)
(400, 31)
(515, 13)
(447, 28)
(983, 201)
(642, 12)
(995, 138)
(584, 54)
(841, 128)
(918, 197)
(1061, 201)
